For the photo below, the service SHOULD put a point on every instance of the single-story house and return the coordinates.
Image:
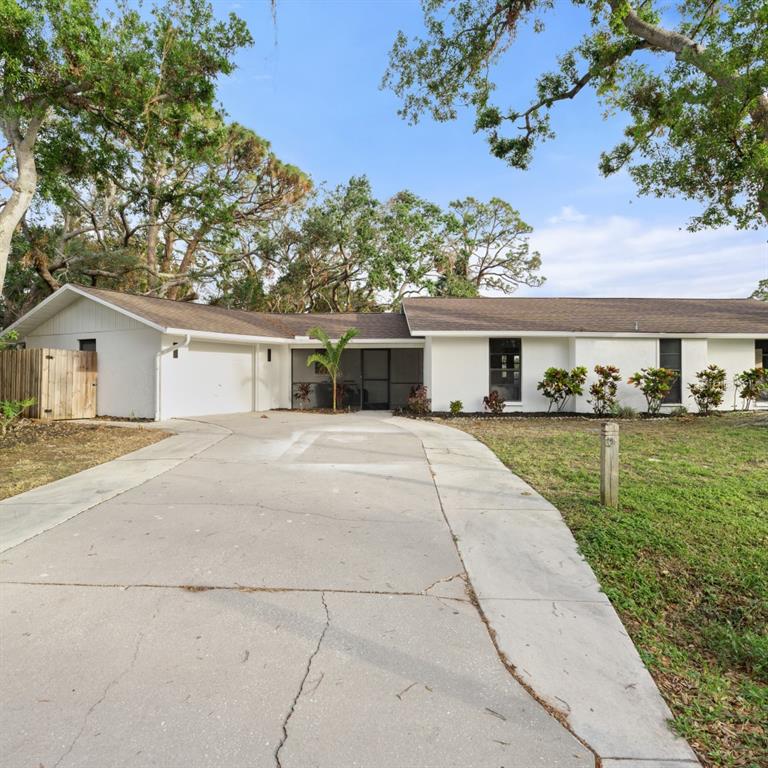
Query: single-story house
(161, 359)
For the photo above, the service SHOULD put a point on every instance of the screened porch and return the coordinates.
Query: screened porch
(371, 379)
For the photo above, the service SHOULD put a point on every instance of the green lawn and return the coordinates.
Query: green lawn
(684, 559)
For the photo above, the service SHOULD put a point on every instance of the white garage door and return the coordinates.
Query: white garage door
(208, 379)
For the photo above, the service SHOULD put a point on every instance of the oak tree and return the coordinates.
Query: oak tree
(692, 79)
(353, 252)
(69, 71)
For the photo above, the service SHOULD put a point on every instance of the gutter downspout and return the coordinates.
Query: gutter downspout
(158, 371)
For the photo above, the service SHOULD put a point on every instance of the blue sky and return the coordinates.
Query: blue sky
(310, 85)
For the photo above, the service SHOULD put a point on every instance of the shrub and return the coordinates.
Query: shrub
(603, 391)
(623, 411)
(679, 410)
(751, 384)
(419, 402)
(655, 384)
(456, 407)
(494, 402)
(559, 384)
(10, 410)
(303, 393)
(709, 391)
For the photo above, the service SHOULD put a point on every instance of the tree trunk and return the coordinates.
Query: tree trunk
(153, 234)
(759, 116)
(23, 190)
(169, 242)
(188, 260)
(333, 384)
(153, 220)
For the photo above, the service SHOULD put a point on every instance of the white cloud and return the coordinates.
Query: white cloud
(620, 256)
(568, 214)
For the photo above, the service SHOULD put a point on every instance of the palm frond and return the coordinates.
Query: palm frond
(331, 358)
(319, 357)
(347, 336)
(319, 334)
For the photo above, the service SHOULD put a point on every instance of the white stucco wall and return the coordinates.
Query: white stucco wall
(428, 364)
(538, 355)
(125, 353)
(735, 355)
(457, 369)
(629, 355)
(694, 359)
(264, 371)
(283, 399)
(273, 384)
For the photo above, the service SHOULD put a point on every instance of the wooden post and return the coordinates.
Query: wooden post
(609, 464)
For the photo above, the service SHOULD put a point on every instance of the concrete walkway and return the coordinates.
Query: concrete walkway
(32, 512)
(550, 620)
(289, 595)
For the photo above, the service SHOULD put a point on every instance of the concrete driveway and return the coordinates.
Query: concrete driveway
(289, 596)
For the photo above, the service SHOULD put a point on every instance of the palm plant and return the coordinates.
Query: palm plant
(331, 358)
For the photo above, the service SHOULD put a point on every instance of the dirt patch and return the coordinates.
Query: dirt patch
(133, 419)
(35, 453)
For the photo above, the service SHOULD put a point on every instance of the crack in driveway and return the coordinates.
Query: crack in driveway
(107, 688)
(447, 580)
(239, 588)
(296, 698)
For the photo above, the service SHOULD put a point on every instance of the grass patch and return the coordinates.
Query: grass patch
(684, 559)
(35, 453)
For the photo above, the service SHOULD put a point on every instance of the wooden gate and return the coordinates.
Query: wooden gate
(62, 381)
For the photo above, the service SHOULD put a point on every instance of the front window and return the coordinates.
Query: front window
(505, 360)
(761, 361)
(671, 357)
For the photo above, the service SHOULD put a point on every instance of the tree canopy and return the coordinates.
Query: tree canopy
(85, 94)
(692, 80)
(123, 171)
(352, 252)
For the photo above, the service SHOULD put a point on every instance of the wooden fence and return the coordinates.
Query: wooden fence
(62, 381)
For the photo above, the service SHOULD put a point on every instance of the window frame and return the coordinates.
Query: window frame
(761, 346)
(518, 370)
(677, 387)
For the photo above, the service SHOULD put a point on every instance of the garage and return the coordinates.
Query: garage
(207, 378)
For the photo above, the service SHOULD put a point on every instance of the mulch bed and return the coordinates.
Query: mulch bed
(554, 416)
(28, 432)
(339, 412)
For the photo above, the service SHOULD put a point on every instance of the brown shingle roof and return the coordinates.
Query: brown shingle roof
(588, 315)
(190, 316)
(372, 325)
(507, 314)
